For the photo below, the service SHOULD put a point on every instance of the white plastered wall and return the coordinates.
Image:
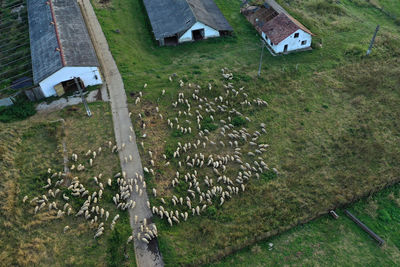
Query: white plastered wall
(87, 74)
(208, 32)
(293, 43)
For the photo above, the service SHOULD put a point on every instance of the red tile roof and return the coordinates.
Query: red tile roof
(281, 27)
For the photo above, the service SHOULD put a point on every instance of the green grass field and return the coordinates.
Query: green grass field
(331, 119)
(329, 242)
(27, 149)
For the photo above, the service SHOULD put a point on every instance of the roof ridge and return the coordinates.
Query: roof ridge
(49, 2)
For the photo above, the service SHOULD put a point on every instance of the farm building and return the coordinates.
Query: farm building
(177, 21)
(280, 31)
(61, 48)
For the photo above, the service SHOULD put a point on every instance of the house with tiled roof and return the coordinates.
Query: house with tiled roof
(280, 31)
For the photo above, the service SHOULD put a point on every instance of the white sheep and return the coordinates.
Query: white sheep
(107, 214)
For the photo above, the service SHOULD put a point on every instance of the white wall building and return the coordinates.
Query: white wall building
(178, 21)
(88, 75)
(61, 48)
(283, 35)
(280, 31)
(201, 30)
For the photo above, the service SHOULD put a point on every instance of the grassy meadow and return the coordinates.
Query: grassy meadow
(329, 242)
(331, 119)
(27, 149)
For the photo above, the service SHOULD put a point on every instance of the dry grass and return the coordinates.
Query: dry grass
(28, 148)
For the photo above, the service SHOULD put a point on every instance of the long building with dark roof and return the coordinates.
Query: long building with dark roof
(177, 21)
(61, 48)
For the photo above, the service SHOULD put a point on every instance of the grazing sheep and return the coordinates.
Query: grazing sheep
(107, 214)
(98, 234)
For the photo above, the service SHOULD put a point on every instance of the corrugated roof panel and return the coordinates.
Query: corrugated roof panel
(75, 41)
(174, 17)
(45, 59)
(73, 38)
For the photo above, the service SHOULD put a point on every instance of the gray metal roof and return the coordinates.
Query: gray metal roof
(207, 12)
(170, 17)
(45, 59)
(71, 37)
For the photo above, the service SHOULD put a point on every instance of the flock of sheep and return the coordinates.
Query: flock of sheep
(219, 161)
(61, 189)
(214, 167)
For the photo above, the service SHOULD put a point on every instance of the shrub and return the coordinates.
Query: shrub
(21, 110)
(208, 124)
(238, 121)
(211, 212)
(177, 133)
(268, 175)
(169, 151)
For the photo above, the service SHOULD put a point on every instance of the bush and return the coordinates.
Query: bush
(169, 151)
(177, 133)
(211, 212)
(208, 124)
(21, 110)
(238, 121)
(268, 175)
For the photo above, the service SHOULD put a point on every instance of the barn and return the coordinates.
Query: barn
(178, 21)
(280, 31)
(61, 48)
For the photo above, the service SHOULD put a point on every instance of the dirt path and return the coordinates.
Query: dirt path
(146, 254)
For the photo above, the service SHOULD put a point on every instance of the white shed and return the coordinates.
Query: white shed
(61, 48)
(178, 21)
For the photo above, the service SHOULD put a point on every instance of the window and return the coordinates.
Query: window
(271, 42)
(296, 35)
(303, 42)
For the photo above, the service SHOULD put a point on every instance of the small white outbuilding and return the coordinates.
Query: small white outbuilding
(178, 21)
(61, 48)
(280, 31)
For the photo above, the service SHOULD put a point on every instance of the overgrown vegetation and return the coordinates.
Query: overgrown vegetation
(21, 110)
(27, 150)
(330, 122)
